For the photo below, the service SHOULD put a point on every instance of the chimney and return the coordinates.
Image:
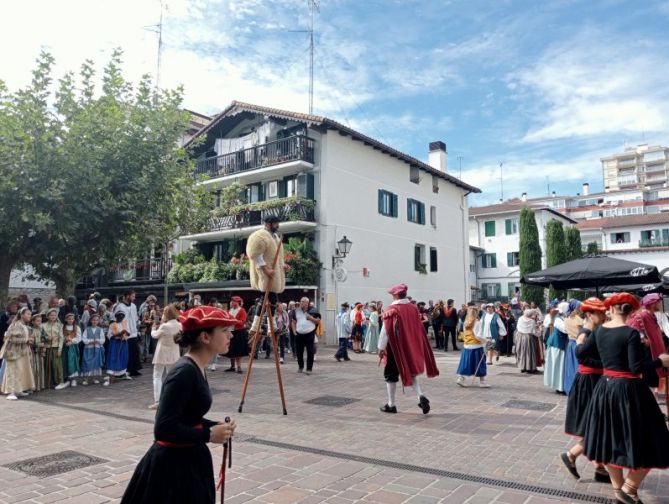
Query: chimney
(438, 157)
(586, 189)
(553, 194)
(523, 196)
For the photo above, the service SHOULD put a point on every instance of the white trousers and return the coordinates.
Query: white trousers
(158, 371)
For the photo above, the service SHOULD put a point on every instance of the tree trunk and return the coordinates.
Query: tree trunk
(7, 264)
(65, 283)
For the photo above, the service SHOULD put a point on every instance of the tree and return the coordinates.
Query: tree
(592, 248)
(530, 254)
(556, 250)
(574, 251)
(97, 177)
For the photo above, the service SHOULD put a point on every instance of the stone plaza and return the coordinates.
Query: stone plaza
(476, 446)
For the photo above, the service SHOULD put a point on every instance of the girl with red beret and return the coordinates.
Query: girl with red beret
(178, 466)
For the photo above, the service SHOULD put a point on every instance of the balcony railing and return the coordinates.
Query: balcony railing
(653, 243)
(295, 148)
(141, 271)
(292, 210)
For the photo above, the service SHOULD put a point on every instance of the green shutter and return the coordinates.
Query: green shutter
(381, 201)
(490, 228)
(498, 290)
(509, 258)
(416, 256)
(409, 205)
(512, 289)
(282, 190)
(421, 213)
(494, 260)
(508, 226)
(395, 205)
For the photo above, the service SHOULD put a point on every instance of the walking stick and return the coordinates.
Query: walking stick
(265, 308)
(226, 462)
(479, 366)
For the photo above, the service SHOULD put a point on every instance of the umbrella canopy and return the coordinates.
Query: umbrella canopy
(640, 289)
(594, 272)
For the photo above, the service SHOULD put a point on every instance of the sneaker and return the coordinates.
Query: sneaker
(73, 383)
(307, 372)
(85, 382)
(97, 382)
(461, 381)
(126, 377)
(388, 409)
(281, 360)
(484, 384)
(12, 397)
(424, 404)
(23, 394)
(61, 386)
(105, 383)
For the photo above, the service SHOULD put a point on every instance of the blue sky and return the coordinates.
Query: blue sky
(546, 87)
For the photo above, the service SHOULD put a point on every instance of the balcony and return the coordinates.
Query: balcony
(294, 154)
(295, 215)
(653, 243)
(142, 271)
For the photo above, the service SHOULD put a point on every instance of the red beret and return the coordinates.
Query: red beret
(592, 304)
(622, 298)
(205, 317)
(237, 299)
(398, 289)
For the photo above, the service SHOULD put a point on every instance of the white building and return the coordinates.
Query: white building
(638, 167)
(407, 220)
(494, 229)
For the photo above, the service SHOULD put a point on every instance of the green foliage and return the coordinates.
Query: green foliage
(194, 269)
(530, 254)
(300, 256)
(556, 250)
(91, 179)
(289, 203)
(192, 256)
(592, 248)
(573, 240)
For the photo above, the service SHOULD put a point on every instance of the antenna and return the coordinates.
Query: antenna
(501, 181)
(158, 28)
(314, 6)
(460, 158)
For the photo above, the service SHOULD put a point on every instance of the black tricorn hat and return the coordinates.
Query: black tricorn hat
(271, 219)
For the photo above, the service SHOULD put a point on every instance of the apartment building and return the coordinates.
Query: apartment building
(642, 167)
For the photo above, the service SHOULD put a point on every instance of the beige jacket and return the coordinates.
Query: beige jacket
(262, 242)
(167, 351)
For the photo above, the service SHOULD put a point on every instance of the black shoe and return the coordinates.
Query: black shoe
(347, 358)
(424, 404)
(239, 370)
(136, 373)
(338, 359)
(602, 476)
(625, 498)
(570, 465)
(230, 369)
(388, 409)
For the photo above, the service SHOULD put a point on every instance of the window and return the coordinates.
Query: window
(489, 260)
(620, 237)
(414, 174)
(387, 203)
(273, 189)
(217, 199)
(433, 216)
(491, 290)
(415, 211)
(490, 228)
(419, 258)
(513, 288)
(433, 259)
(511, 226)
(291, 187)
(512, 258)
(435, 184)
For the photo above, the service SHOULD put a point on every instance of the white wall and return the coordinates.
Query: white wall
(350, 176)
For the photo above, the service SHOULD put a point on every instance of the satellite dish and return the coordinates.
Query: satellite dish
(340, 274)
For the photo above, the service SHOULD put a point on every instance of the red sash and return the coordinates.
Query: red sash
(589, 370)
(168, 444)
(611, 373)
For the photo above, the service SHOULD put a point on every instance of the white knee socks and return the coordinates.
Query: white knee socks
(392, 387)
(416, 387)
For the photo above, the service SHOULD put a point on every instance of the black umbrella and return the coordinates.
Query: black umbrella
(594, 272)
(641, 289)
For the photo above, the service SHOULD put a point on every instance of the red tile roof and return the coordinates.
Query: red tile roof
(512, 206)
(624, 221)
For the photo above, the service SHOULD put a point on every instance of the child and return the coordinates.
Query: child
(72, 338)
(117, 355)
(94, 356)
(39, 340)
(54, 348)
(17, 379)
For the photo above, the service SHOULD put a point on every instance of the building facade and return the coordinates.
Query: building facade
(641, 167)
(407, 220)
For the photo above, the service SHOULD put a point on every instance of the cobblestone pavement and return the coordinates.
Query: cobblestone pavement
(474, 447)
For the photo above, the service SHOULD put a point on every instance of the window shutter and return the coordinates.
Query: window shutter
(416, 256)
(395, 206)
(498, 290)
(409, 206)
(507, 225)
(381, 201)
(509, 257)
(281, 189)
(421, 213)
(493, 260)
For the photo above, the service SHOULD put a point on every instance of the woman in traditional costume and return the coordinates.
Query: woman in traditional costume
(589, 372)
(117, 351)
(178, 466)
(239, 346)
(94, 351)
(18, 378)
(573, 324)
(472, 358)
(372, 339)
(39, 340)
(526, 348)
(556, 347)
(70, 357)
(167, 350)
(54, 349)
(625, 428)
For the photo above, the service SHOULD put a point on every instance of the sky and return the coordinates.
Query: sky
(546, 88)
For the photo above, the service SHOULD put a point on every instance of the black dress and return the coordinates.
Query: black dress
(182, 472)
(624, 427)
(584, 385)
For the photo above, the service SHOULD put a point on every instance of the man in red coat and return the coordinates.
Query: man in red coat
(404, 345)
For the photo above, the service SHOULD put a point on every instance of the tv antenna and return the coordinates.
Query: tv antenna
(314, 7)
(501, 181)
(460, 158)
(158, 28)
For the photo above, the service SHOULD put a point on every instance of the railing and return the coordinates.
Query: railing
(653, 243)
(295, 148)
(141, 271)
(291, 211)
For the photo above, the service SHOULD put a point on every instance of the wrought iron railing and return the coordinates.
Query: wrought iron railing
(140, 271)
(295, 148)
(653, 243)
(291, 211)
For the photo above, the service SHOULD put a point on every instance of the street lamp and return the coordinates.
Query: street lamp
(342, 250)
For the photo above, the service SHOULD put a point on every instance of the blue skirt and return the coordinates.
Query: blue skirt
(570, 366)
(94, 359)
(472, 359)
(117, 357)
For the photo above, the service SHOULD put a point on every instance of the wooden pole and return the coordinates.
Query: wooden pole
(265, 308)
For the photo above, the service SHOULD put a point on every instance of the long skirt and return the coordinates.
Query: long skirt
(526, 351)
(570, 366)
(625, 427)
(554, 369)
(18, 376)
(72, 356)
(37, 363)
(239, 345)
(93, 361)
(578, 403)
(53, 368)
(472, 362)
(372, 339)
(117, 357)
(173, 476)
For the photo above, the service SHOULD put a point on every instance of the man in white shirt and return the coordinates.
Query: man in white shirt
(491, 328)
(129, 308)
(303, 322)
(343, 332)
